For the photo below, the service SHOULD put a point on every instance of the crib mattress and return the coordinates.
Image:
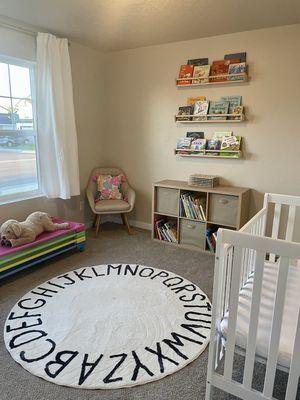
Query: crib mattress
(290, 314)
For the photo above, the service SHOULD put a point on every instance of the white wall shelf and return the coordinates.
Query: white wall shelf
(206, 120)
(234, 154)
(242, 78)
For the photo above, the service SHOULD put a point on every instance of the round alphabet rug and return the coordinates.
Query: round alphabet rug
(109, 326)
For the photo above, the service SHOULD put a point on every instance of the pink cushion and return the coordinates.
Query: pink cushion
(45, 236)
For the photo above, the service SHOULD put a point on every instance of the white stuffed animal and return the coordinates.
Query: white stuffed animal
(14, 233)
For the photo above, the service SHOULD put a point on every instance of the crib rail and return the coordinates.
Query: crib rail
(257, 224)
(232, 267)
(281, 224)
(279, 201)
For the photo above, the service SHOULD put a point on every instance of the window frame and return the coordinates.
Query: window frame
(31, 65)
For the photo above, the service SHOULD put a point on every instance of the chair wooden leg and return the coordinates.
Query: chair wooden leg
(98, 223)
(126, 223)
(94, 221)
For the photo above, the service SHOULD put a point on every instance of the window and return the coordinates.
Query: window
(19, 176)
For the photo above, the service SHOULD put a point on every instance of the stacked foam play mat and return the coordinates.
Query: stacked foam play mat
(46, 246)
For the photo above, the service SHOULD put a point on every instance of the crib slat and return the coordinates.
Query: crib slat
(221, 261)
(290, 223)
(254, 316)
(276, 220)
(292, 385)
(275, 228)
(233, 307)
(276, 326)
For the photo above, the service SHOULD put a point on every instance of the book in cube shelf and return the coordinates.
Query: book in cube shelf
(186, 71)
(211, 238)
(192, 207)
(166, 230)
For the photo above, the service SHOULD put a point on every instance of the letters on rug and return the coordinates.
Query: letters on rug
(109, 326)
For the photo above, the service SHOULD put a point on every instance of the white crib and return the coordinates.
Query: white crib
(256, 302)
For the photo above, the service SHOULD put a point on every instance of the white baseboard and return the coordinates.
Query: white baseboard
(117, 219)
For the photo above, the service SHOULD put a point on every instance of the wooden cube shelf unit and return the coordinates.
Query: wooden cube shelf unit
(225, 206)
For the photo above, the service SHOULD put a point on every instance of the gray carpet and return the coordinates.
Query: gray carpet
(112, 246)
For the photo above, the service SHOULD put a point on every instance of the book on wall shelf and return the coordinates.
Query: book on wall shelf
(232, 69)
(184, 113)
(200, 110)
(218, 107)
(186, 71)
(219, 71)
(236, 71)
(241, 57)
(226, 109)
(198, 61)
(190, 101)
(201, 74)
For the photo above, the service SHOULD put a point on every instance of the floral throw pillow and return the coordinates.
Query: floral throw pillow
(109, 187)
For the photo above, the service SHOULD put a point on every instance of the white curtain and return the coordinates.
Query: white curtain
(57, 138)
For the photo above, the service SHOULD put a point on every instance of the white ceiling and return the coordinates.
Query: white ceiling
(110, 25)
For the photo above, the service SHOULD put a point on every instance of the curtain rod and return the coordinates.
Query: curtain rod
(17, 28)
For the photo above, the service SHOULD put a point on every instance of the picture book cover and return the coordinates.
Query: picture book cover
(235, 60)
(183, 112)
(190, 101)
(198, 145)
(238, 110)
(219, 135)
(234, 101)
(198, 61)
(218, 107)
(229, 144)
(219, 67)
(239, 68)
(201, 72)
(213, 144)
(195, 135)
(200, 110)
(186, 71)
(183, 143)
(240, 56)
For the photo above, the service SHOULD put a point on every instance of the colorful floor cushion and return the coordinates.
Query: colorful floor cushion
(47, 245)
